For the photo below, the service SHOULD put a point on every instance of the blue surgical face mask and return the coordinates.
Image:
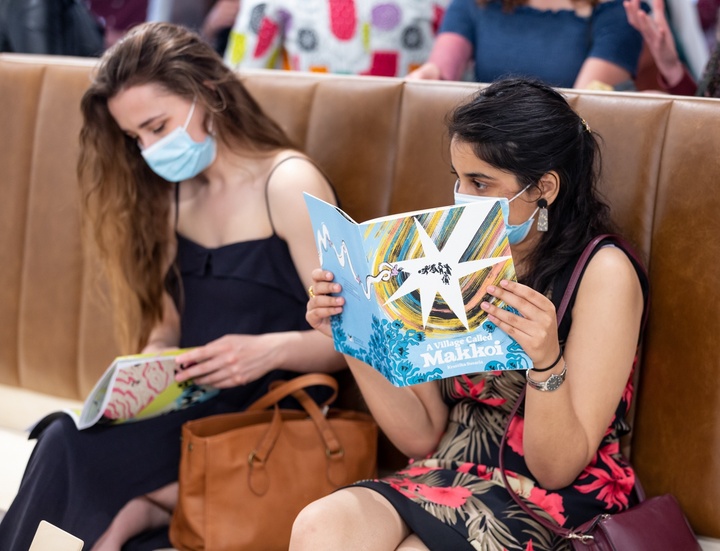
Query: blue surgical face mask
(516, 233)
(176, 157)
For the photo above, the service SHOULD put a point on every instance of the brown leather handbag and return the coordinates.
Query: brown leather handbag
(245, 476)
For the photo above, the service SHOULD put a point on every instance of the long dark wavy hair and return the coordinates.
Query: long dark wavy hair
(126, 205)
(526, 128)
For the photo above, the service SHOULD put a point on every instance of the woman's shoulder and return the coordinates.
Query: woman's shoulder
(609, 259)
(612, 271)
(293, 173)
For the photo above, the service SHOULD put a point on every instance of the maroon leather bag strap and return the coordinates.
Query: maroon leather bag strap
(562, 309)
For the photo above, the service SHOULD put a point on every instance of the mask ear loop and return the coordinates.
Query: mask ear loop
(190, 114)
(519, 193)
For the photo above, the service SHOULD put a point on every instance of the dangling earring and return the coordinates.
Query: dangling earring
(542, 223)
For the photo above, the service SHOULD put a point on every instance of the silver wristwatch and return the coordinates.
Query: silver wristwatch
(553, 383)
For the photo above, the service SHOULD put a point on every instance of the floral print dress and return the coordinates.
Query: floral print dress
(455, 498)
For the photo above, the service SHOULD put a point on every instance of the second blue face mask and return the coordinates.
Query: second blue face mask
(515, 233)
(177, 157)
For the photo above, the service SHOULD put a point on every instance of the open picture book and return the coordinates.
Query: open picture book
(138, 387)
(413, 284)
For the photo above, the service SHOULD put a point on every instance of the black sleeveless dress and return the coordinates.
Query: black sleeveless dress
(79, 480)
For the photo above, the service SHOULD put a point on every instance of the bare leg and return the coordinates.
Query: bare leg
(352, 519)
(412, 543)
(138, 515)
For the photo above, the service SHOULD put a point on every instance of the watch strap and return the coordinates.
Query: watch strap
(552, 383)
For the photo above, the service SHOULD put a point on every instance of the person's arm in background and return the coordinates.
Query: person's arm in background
(615, 50)
(448, 59)
(220, 18)
(453, 46)
(673, 76)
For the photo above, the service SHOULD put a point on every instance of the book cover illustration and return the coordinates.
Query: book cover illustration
(413, 284)
(138, 387)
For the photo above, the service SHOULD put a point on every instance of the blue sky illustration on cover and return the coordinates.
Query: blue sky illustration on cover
(413, 284)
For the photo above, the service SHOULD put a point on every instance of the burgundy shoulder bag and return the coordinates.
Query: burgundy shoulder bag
(652, 524)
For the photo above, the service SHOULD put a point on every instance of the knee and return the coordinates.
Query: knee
(314, 524)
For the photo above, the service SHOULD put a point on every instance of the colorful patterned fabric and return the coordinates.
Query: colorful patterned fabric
(372, 37)
(456, 499)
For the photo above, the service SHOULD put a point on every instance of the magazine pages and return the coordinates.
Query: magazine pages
(137, 387)
(413, 284)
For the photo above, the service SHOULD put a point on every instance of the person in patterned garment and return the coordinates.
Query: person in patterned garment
(358, 37)
(517, 139)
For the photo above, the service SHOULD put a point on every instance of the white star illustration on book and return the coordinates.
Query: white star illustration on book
(439, 272)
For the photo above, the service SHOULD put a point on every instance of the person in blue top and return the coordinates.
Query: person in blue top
(564, 43)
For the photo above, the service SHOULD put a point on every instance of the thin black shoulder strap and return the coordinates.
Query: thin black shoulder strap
(272, 171)
(177, 204)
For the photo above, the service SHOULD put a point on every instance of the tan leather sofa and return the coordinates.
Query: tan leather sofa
(382, 142)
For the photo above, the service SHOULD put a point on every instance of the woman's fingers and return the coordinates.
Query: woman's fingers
(535, 328)
(322, 304)
(525, 300)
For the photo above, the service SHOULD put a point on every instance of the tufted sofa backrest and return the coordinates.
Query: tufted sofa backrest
(383, 144)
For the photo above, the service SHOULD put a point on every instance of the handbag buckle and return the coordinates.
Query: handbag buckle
(253, 458)
(583, 538)
(337, 454)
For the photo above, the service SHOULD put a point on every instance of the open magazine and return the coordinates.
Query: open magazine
(137, 387)
(413, 284)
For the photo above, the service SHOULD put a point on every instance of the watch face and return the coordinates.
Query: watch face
(554, 382)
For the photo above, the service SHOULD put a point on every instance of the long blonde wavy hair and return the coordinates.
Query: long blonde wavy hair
(127, 206)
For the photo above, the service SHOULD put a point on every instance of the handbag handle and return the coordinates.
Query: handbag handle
(279, 390)
(336, 470)
(562, 308)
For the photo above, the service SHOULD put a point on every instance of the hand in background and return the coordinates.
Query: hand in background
(230, 361)
(427, 71)
(658, 37)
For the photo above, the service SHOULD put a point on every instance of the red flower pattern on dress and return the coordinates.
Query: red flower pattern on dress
(550, 502)
(465, 388)
(629, 389)
(417, 471)
(452, 496)
(529, 546)
(465, 467)
(404, 486)
(515, 435)
(613, 486)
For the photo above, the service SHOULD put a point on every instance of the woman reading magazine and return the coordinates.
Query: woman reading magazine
(518, 140)
(192, 193)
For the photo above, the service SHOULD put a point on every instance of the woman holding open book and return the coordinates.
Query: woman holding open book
(191, 192)
(518, 140)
